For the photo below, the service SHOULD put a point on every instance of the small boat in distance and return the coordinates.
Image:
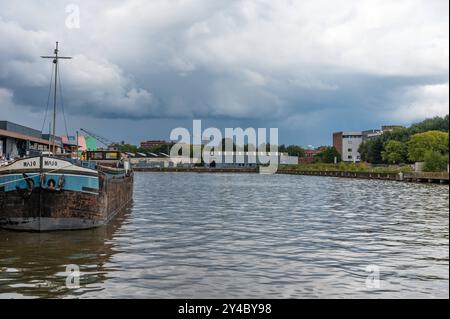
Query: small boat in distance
(56, 192)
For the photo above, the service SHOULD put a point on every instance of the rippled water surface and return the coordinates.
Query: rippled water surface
(230, 235)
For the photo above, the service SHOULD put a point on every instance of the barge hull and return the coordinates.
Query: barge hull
(45, 210)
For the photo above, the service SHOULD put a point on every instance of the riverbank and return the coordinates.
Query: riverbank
(197, 169)
(416, 177)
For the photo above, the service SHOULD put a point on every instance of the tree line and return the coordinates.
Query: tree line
(426, 142)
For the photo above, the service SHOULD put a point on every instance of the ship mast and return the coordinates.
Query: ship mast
(55, 58)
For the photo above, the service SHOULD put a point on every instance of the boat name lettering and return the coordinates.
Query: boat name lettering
(29, 164)
(52, 163)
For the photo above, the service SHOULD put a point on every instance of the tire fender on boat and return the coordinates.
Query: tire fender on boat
(26, 193)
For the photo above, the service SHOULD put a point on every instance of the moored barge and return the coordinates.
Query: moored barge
(60, 191)
(48, 193)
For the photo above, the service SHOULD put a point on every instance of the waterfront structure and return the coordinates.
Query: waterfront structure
(247, 159)
(347, 144)
(219, 159)
(161, 161)
(56, 140)
(17, 140)
(85, 143)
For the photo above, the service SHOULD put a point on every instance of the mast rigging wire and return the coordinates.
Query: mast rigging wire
(48, 99)
(62, 102)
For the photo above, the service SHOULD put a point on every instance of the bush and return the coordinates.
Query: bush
(435, 162)
(327, 155)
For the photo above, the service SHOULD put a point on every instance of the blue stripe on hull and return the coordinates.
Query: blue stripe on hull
(72, 182)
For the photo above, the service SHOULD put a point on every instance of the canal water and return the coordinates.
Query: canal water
(190, 235)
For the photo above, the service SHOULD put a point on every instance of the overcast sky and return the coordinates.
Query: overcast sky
(144, 67)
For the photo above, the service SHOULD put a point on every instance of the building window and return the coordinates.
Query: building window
(349, 150)
(349, 157)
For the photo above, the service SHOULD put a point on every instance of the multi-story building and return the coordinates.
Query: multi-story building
(371, 134)
(347, 144)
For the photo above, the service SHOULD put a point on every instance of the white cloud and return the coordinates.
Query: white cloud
(378, 37)
(419, 102)
(104, 89)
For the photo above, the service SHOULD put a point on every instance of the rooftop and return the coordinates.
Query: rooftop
(21, 132)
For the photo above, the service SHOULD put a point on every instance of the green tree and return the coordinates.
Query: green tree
(395, 152)
(295, 150)
(128, 148)
(282, 148)
(397, 134)
(435, 124)
(370, 151)
(421, 143)
(328, 154)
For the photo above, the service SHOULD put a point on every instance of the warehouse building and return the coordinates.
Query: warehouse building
(18, 140)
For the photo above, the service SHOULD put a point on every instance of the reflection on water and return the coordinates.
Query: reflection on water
(34, 264)
(224, 235)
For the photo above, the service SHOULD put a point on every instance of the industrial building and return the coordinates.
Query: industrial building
(248, 159)
(159, 161)
(219, 159)
(18, 140)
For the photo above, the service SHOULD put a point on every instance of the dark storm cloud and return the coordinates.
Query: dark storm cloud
(307, 67)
